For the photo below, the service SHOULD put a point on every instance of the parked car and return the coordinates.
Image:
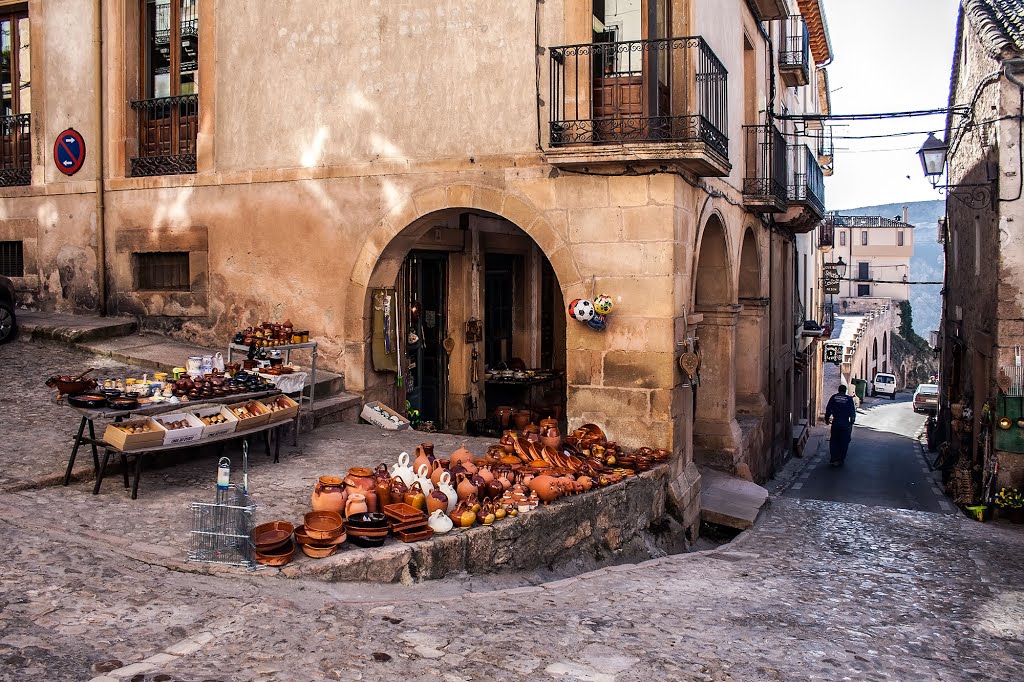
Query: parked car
(884, 384)
(926, 398)
(8, 322)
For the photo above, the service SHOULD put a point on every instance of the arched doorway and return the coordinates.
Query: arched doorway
(874, 360)
(453, 295)
(751, 331)
(885, 351)
(715, 424)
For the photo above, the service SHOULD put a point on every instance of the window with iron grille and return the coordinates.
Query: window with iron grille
(168, 116)
(12, 259)
(162, 271)
(15, 97)
(863, 289)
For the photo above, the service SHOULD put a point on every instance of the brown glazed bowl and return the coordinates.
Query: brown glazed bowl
(279, 556)
(323, 525)
(303, 539)
(315, 552)
(270, 536)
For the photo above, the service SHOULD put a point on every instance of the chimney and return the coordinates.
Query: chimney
(906, 215)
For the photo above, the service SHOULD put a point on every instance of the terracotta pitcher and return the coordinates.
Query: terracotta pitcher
(415, 497)
(329, 494)
(422, 460)
(437, 470)
(437, 501)
(463, 456)
(465, 488)
(356, 504)
(382, 485)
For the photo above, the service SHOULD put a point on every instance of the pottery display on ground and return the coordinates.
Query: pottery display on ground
(329, 494)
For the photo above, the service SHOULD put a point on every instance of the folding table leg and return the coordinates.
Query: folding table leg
(138, 475)
(100, 472)
(95, 456)
(74, 451)
(266, 441)
(277, 444)
(124, 469)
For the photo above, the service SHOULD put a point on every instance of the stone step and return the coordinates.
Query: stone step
(730, 501)
(40, 326)
(336, 409)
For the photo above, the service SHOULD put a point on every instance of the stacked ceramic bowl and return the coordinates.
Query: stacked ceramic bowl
(273, 543)
(367, 530)
(321, 535)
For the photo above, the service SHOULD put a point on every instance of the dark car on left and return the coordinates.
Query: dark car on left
(8, 322)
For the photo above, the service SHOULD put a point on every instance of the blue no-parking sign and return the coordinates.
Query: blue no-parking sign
(69, 151)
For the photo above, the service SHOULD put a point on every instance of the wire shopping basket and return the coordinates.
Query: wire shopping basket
(222, 530)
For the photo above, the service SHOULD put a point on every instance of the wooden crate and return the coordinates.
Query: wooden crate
(122, 440)
(190, 433)
(216, 429)
(262, 414)
(291, 408)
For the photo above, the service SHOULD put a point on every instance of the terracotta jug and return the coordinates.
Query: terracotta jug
(485, 473)
(415, 497)
(508, 442)
(462, 456)
(329, 494)
(494, 489)
(437, 501)
(398, 490)
(359, 480)
(437, 469)
(521, 419)
(421, 459)
(465, 488)
(462, 516)
(382, 485)
(356, 504)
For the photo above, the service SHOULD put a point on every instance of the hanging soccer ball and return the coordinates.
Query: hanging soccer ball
(603, 304)
(582, 309)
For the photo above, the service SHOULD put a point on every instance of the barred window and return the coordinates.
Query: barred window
(12, 259)
(162, 271)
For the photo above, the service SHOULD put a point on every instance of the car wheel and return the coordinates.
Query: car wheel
(8, 325)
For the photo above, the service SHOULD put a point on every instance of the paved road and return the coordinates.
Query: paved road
(884, 466)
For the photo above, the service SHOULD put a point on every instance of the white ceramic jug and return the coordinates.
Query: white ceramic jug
(439, 522)
(403, 471)
(423, 477)
(195, 365)
(444, 484)
(218, 361)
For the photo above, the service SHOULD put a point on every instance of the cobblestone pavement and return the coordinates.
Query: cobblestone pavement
(37, 431)
(816, 591)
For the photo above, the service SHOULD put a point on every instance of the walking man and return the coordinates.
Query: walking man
(841, 412)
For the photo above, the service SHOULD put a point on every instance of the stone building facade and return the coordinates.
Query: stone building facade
(293, 160)
(983, 308)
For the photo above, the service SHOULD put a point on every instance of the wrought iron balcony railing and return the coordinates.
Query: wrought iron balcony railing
(764, 177)
(826, 236)
(665, 90)
(167, 135)
(807, 186)
(15, 150)
(795, 52)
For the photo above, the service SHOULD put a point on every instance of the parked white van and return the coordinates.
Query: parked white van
(884, 384)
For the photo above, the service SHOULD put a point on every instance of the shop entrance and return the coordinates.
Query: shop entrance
(425, 287)
(482, 325)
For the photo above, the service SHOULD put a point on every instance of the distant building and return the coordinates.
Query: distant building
(877, 252)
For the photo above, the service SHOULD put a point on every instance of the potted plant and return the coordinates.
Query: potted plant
(1011, 504)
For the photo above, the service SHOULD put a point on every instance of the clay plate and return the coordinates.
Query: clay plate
(415, 537)
(303, 539)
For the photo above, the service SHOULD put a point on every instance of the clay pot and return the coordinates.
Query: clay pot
(546, 487)
(437, 500)
(462, 516)
(486, 473)
(445, 486)
(465, 487)
(521, 418)
(440, 522)
(382, 485)
(494, 489)
(462, 456)
(504, 415)
(437, 470)
(414, 497)
(398, 490)
(356, 504)
(328, 494)
(551, 441)
(359, 480)
(548, 423)
(421, 458)
(508, 442)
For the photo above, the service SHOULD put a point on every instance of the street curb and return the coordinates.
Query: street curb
(30, 331)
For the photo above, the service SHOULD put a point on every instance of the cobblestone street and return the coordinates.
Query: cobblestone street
(817, 590)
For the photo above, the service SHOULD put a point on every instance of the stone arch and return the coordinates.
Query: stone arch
(749, 285)
(885, 344)
(713, 274)
(874, 350)
(388, 242)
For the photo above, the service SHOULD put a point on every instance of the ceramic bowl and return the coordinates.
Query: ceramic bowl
(270, 536)
(370, 520)
(323, 525)
(367, 542)
(315, 552)
(277, 557)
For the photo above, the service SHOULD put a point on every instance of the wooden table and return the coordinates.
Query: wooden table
(90, 415)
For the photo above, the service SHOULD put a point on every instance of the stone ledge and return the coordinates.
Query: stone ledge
(623, 523)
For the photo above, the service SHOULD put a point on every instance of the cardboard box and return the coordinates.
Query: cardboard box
(399, 423)
(122, 440)
(291, 408)
(188, 434)
(216, 429)
(255, 407)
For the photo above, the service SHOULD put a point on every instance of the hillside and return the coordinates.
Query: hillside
(927, 262)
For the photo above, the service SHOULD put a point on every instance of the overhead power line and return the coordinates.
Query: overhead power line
(961, 110)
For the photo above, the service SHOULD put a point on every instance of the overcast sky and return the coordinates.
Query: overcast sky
(889, 55)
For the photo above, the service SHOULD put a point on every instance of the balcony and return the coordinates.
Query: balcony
(656, 102)
(771, 9)
(764, 176)
(15, 150)
(826, 236)
(167, 135)
(806, 191)
(826, 151)
(794, 52)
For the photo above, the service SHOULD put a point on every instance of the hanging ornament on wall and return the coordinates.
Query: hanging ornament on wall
(582, 309)
(603, 304)
(597, 322)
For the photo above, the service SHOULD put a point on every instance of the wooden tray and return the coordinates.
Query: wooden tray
(415, 537)
(402, 512)
(409, 526)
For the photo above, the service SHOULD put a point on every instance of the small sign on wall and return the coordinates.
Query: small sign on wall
(833, 353)
(69, 151)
